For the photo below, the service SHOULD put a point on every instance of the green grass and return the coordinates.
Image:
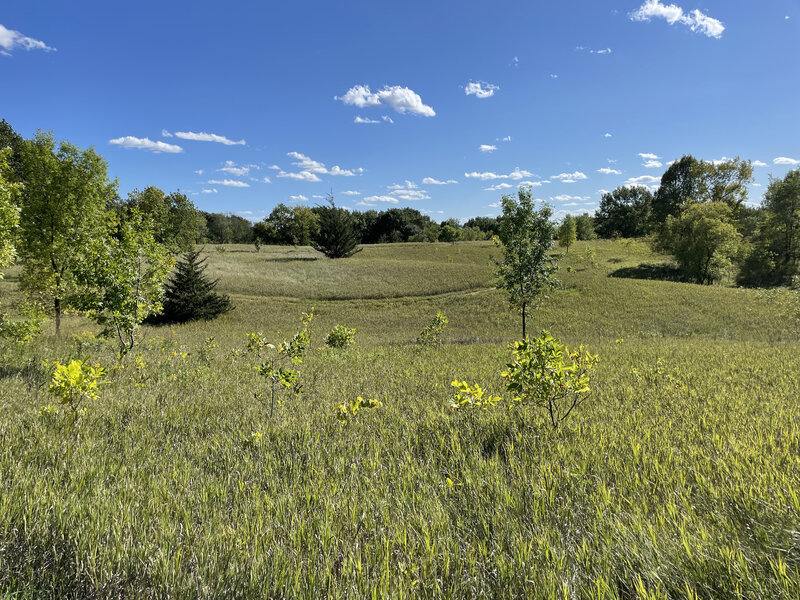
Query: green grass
(680, 476)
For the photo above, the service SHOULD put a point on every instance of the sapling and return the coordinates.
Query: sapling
(432, 334)
(287, 352)
(346, 412)
(76, 382)
(340, 337)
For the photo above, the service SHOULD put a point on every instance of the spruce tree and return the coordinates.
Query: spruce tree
(189, 295)
(337, 236)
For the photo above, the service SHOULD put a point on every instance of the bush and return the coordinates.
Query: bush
(340, 337)
(432, 334)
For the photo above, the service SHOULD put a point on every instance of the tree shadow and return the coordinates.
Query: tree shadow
(659, 271)
(293, 259)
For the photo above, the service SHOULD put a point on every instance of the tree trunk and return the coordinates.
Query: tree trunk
(57, 310)
(524, 310)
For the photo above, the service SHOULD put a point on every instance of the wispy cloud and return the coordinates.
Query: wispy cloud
(301, 176)
(350, 193)
(370, 200)
(652, 164)
(758, 163)
(239, 171)
(202, 137)
(298, 198)
(480, 89)
(311, 169)
(671, 13)
(568, 198)
(645, 180)
(487, 148)
(516, 175)
(209, 191)
(13, 40)
(648, 156)
(229, 183)
(569, 177)
(785, 160)
(607, 135)
(590, 51)
(432, 181)
(130, 141)
(401, 99)
(408, 192)
(359, 119)
(498, 187)
(607, 171)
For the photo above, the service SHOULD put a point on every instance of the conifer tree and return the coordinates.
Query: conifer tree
(190, 294)
(337, 236)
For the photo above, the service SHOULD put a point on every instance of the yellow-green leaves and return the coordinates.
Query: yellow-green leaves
(472, 396)
(346, 412)
(340, 337)
(76, 382)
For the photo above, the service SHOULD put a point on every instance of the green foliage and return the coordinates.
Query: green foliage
(585, 227)
(546, 374)
(472, 397)
(9, 212)
(448, 233)
(189, 295)
(778, 244)
(703, 239)
(63, 201)
(348, 411)
(434, 330)
(123, 278)
(76, 382)
(337, 236)
(296, 226)
(625, 212)
(289, 351)
(567, 232)
(526, 268)
(340, 337)
(173, 218)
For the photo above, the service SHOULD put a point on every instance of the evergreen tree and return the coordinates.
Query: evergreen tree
(189, 294)
(337, 237)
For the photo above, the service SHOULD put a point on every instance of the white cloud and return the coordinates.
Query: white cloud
(301, 176)
(783, 160)
(432, 181)
(199, 171)
(507, 138)
(266, 180)
(553, 76)
(298, 198)
(408, 191)
(130, 141)
(231, 168)
(401, 99)
(607, 135)
(480, 89)
(516, 175)
(337, 170)
(499, 186)
(13, 40)
(515, 60)
(533, 183)
(758, 163)
(671, 13)
(350, 193)
(603, 51)
(307, 164)
(274, 167)
(607, 171)
(603, 192)
(207, 137)
(209, 191)
(570, 177)
(372, 199)
(487, 148)
(364, 120)
(387, 119)
(568, 198)
(648, 156)
(408, 185)
(646, 180)
(229, 183)
(651, 164)
(165, 133)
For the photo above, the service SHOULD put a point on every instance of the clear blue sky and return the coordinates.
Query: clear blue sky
(243, 105)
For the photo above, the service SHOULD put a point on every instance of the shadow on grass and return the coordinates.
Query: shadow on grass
(661, 271)
(293, 259)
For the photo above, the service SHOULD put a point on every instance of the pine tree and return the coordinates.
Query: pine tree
(189, 295)
(337, 236)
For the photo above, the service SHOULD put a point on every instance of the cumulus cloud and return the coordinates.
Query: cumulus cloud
(487, 148)
(364, 120)
(350, 193)
(569, 177)
(651, 164)
(568, 198)
(607, 135)
(203, 137)
(401, 99)
(671, 13)
(298, 198)
(130, 141)
(301, 176)
(209, 191)
(758, 163)
(387, 119)
(14, 40)
(407, 191)
(498, 187)
(648, 156)
(784, 160)
(239, 171)
(646, 180)
(370, 200)
(480, 89)
(310, 169)
(266, 180)
(432, 181)
(229, 183)
(607, 171)
(516, 175)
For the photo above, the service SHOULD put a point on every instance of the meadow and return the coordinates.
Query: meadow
(679, 477)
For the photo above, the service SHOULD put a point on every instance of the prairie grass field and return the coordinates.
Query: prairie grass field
(679, 477)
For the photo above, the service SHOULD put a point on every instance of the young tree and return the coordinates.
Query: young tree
(448, 233)
(9, 212)
(703, 239)
(337, 237)
(526, 236)
(567, 232)
(123, 278)
(63, 202)
(584, 227)
(190, 294)
(782, 205)
(175, 221)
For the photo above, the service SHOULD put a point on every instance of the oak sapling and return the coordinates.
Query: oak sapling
(287, 352)
(76, 382)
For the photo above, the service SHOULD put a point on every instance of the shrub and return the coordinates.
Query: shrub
(346, 412)
(432, 334)
(340, 337)
(76, 382)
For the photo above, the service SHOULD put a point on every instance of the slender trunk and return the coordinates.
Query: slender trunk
(524, 310)
(57, 310)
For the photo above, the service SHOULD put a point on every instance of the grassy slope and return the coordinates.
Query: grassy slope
(681, 476)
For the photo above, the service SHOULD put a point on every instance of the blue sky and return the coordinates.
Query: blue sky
(247, 104)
